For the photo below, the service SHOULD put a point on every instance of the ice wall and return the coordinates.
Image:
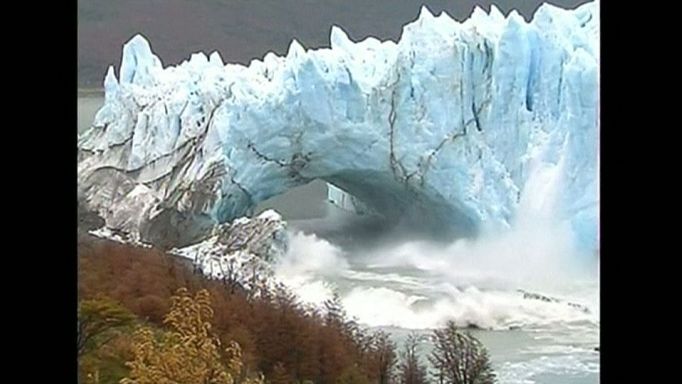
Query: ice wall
(464, 124)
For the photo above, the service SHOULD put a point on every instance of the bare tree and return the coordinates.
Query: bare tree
(386, 357)
(410, 370)
(460, 358)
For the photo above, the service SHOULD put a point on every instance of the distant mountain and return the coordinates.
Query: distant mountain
(242, 30)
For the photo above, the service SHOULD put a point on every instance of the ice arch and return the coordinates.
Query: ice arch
(456, 123)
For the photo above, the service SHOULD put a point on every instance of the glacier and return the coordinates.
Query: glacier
(461, 127)
(241, 253)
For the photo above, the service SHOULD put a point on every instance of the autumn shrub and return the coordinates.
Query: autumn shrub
(189, 352)
(277, 335)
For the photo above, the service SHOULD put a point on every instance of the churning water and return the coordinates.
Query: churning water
(535, 302)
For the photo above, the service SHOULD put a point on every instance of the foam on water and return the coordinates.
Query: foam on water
(421, 285)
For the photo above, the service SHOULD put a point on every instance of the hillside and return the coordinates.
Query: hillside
(278, 335)
(242, 30)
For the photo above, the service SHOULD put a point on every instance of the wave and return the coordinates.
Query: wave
(421, 285)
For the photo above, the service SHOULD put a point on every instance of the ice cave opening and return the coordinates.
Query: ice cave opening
(366, 203)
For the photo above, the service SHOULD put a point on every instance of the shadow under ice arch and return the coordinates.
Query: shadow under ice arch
(448, 126)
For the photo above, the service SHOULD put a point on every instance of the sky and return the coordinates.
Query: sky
(243, 30)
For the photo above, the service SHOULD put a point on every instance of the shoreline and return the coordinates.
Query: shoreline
(90, 92)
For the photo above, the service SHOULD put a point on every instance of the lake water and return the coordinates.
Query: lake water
(87, 107)
(389, 279)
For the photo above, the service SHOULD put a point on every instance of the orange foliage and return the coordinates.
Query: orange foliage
(277, 335)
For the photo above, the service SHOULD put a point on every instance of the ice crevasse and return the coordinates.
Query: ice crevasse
(459, 126)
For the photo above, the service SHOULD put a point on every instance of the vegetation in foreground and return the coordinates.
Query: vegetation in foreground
(146, 317)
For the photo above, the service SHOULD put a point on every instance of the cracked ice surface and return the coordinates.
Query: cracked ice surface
(465, 124)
